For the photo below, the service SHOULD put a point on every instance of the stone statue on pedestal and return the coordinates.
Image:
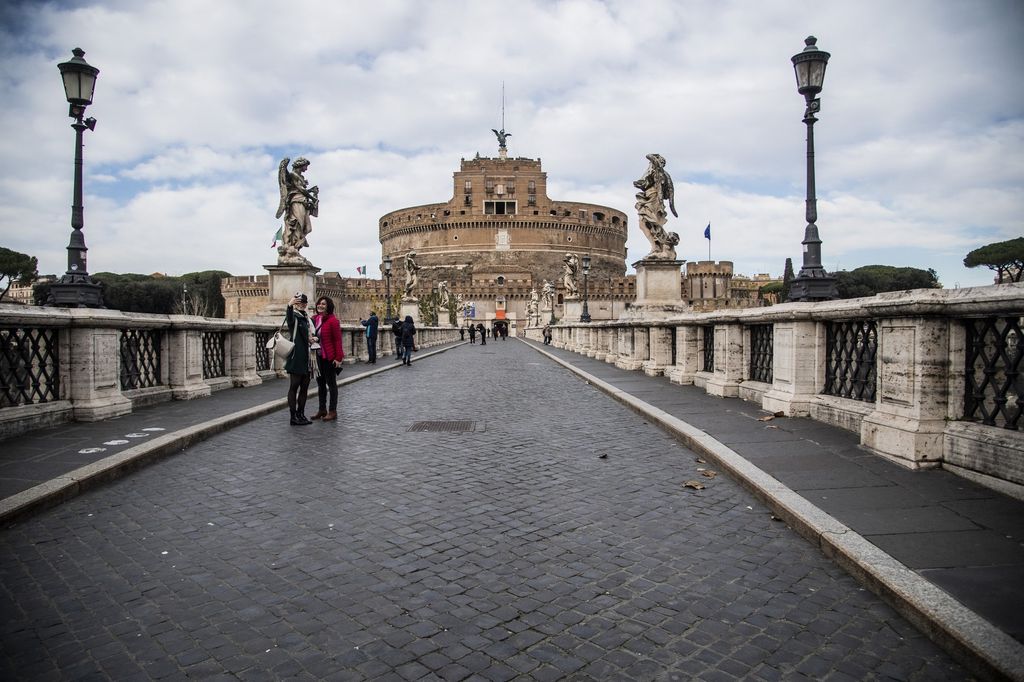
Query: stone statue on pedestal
(411, 278)
(532, 308)
(548, 293)
(299, 204)
(655, 189)
(572, 269)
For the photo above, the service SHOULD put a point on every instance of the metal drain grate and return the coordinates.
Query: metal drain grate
(444, 426)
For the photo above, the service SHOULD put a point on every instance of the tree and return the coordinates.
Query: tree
(16, 267)
(874, 279)
(787, 279)
(771, 293)
(1006, 258)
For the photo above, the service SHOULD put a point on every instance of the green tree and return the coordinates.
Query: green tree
(874, 279)
(200, 293)
(16, 267)
(787, 279)
(1006, 258)
(771, 293)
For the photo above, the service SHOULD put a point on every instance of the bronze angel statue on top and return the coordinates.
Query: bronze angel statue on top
(299, 204)
(656, 188)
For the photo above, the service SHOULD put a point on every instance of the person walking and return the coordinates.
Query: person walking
(371, 324)
(472, 334)
(547, 334)
(462, 333)
(297, 364)
(408, 340)
(327, 331)
(396, 329)
(483, 333)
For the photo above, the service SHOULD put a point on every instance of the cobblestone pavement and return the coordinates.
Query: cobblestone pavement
(362, 550)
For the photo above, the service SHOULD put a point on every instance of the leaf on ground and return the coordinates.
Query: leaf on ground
(771, 426)
(710, 473)
(699, 461)
(604, 456)
(696, 485)
(766, 418)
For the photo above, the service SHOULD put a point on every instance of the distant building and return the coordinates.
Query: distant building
(497, 239)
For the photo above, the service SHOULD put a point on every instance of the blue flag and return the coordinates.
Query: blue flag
(707, 232)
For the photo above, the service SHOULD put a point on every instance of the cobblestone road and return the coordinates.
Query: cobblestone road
(361, 550)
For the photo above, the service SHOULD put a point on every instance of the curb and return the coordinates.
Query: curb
(970, 639)
(62, 488)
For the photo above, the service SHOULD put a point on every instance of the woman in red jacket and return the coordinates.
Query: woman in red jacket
(328, 358)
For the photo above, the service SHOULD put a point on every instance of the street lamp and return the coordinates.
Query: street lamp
(387, 280)
(813, 283)
(433, 301)
(585, 317)
(75, 287)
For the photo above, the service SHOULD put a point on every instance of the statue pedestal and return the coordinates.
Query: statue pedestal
(659, 290)
(545, 316)
(411, 308)
(572, 309)
(284, 281)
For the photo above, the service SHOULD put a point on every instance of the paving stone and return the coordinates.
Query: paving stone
(508, 551)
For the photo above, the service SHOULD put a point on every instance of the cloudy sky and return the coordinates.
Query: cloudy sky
(920, 139)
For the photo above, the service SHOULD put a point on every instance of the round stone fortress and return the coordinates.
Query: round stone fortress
(500, 223)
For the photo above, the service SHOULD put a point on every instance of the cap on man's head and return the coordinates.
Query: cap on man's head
(302, 298)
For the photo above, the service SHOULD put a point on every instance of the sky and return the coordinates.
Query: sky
(919, 143)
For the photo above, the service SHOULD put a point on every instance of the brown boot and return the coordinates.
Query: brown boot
(330, 416)
(319, 415)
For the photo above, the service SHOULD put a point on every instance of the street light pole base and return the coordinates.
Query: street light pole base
(81, 293)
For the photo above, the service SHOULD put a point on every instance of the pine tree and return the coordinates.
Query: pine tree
(787, 278)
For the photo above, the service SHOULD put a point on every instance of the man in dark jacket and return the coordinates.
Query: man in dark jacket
(408, 340)
(371, 325)
(396, 327)
(483, 333)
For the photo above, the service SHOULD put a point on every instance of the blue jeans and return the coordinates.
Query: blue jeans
(406, 353)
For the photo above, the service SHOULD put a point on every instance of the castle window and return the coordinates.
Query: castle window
(499, 207)
(531, 186)
(500, 189)
(531, 199)
(598, 216)
(468, 201)
(489, 186)
(501, 280)
(469, 187)
(583, 214)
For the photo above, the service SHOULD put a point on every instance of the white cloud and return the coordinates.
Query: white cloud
(919, 144)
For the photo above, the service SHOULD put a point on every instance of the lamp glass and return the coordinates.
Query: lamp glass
(586, 263)
(387, 265)
(79, 79)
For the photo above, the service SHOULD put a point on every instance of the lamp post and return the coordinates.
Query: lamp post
(387, 285)
(75, 288)
(433, 304)
(585, 317)
(812, 283)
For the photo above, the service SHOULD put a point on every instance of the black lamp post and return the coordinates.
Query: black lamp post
(75, 288)
(812, 283)
(434, 297)
(387, 284)
(585, 317)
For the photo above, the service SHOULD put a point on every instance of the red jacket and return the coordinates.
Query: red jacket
(330, 337)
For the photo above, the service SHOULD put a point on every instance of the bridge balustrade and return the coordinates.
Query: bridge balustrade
(59, 364)
(927, 378)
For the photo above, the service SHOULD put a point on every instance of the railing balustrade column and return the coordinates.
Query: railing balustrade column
(634, 349)
(94, 368)
(185, 360)
(797, 367)
(660, 351)
(728, 374)
(913, 391)
(241, 354)
(687, 355)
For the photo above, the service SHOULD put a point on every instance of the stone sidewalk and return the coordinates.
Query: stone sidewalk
(535, 529)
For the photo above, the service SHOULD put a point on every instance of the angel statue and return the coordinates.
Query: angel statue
(548, 293)
(502, 136)
(532, 307)
(411, 277)
(444, 294)
(656, 188)
(299, 203)
(572, 269)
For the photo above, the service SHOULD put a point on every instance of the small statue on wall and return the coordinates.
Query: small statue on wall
(411, 278)
(572, 269)
(548, 294)
(655, 189)
(299, 204)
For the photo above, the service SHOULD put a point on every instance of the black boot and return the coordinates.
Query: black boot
(299, 419)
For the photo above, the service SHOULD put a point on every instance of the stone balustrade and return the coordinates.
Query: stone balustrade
(59, 364)
(927, 378)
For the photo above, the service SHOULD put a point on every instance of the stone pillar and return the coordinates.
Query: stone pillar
(95, 372)
(661, 351)
(283, 282)
(600, 343)
(612, 350)
(633, 349)
(658, 290)
(725, 381)
(798, 351)
(241, 357)
(912, 399)
(572, 310)
(687, 355)
(410, 308)
(185, 356)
